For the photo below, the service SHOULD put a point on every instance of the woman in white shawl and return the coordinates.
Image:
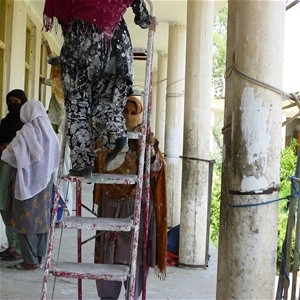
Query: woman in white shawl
(34, 155)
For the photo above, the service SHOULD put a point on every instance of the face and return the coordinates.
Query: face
(129, 109)
(14, 105)
(13, 100)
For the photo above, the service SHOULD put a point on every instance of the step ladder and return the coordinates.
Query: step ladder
(113, 272)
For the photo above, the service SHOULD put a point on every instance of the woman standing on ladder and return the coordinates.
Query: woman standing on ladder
(97, 74)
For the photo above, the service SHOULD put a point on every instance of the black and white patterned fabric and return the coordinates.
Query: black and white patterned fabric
(97, 76)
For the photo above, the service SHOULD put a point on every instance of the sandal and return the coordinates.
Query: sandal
(26, 267)
(10, 255)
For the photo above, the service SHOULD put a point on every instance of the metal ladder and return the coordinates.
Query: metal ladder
(111, 272)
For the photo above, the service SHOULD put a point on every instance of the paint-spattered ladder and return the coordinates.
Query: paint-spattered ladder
(111, 272)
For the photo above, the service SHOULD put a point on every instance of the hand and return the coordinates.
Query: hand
(150, 139)
(2, 147)
(153, 24)
(44, 41)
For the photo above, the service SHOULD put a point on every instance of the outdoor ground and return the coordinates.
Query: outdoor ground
(179, 284)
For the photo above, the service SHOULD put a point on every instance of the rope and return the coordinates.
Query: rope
(283, 94)
(259, 203)
(235, 68)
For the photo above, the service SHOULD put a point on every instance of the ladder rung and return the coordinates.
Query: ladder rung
(92, 223)
(91, 271)
(137, 92)
(113, 178)
(106, 178)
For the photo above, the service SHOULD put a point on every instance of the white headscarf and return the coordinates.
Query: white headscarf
(34, 152)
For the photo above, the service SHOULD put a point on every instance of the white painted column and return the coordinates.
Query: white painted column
(16, 56)
(252, 131)
(197, 129)
(154, 101)
(161, 88)
(174, 119)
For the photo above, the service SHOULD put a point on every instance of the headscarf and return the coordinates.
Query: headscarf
(133, 121)
(105, 14)
(119, 192)
(12, 122)
(34, 151)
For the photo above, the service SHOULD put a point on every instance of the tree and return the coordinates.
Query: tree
(219, 40)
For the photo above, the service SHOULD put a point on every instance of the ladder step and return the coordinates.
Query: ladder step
(134, 135)
(92, 223)
(106, 178)
(137, 92)
(139, 53)
(91, 271)
(113, 178)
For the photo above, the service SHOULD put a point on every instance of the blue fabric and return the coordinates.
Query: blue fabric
(173, 240)
(60, 205)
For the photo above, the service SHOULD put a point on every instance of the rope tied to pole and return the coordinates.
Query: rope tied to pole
(290, 96)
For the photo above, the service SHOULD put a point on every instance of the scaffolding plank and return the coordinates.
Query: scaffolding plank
(92, 223)
(92, 271)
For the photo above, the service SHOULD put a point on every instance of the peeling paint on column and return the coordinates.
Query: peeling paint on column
(256, 136)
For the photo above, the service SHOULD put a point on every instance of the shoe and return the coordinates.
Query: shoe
(116, 158)
(85, 172)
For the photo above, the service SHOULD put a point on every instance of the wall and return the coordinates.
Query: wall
(18, 14)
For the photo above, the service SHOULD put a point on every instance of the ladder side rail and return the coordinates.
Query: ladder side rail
(54, 215)
(146, 202)
(146, 213)
(139, 191)
(79, 232)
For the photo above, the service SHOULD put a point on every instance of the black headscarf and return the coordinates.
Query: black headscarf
(12, 123)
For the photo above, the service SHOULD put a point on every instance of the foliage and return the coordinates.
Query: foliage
(219, 67)
(219, 40)
(216, 190)
(288, 162)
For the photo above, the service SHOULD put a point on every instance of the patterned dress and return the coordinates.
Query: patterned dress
(31, 215)
(97, 76)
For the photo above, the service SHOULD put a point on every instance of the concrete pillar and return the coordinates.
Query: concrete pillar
(251, 154)
(154, 101)
(197, 129)
(161, 99)
(174, 119)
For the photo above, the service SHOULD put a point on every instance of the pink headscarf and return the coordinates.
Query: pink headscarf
(105, 14)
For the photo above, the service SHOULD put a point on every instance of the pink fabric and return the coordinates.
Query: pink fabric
(105, 14)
